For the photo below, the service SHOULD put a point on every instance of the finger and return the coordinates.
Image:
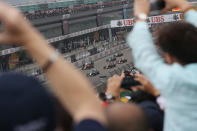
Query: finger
(137, 75)
(141, 77)
(3, 7)
(140, 87)
(11, 13)
(115, 76)
(110, 79)
(132, 74)
(122, 75)
(139, 80)
(137, 88)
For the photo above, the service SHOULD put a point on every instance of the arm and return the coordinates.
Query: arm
(191, 17)
(145, 55)
(144, 51)
(70, 86)
(114, 86)
(146, 85)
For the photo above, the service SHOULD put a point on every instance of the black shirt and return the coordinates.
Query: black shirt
(89, 125)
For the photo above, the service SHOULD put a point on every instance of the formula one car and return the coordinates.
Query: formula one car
(110, 65)
(122, 60)
(93, 73)
(88, 65)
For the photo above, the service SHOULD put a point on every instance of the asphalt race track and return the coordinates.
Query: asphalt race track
(106, 73)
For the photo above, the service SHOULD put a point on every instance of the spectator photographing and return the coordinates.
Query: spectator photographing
(176, 80)
(144, 95)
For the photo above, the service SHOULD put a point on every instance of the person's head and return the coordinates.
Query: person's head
(140, 96)
(178, 42)
(126, 117)
(26, 105)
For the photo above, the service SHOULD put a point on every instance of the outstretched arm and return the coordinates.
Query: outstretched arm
(144, 51)
(70, 86)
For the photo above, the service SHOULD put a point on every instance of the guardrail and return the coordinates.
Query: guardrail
(33, 67)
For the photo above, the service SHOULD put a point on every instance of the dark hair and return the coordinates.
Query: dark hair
(179, 40)
(140, 96)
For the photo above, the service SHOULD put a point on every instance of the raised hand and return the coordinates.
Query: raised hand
(170, 4)
(16, 29)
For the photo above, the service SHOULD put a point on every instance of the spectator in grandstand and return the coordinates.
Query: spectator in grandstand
(177, 80)
(145, 101)
(148, 97)
(148, 87)
(69, 85)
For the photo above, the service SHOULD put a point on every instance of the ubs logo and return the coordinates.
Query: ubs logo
(119, 23)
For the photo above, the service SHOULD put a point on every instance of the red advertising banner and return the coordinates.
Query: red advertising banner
(150, 20)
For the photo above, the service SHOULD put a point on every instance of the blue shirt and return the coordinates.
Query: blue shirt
(178, 84)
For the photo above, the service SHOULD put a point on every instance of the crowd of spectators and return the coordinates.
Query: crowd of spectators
(161, 96)
(48, 13)
(70, 10)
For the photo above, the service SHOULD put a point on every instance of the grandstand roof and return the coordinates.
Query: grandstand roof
(36, 5)
(30, 2)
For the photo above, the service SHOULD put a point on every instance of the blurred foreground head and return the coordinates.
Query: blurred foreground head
(25, 105)
(126, 117)
(178, 42)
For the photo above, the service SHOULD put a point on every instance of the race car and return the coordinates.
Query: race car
(88, 65)
(111, 59)
(110, 65)
(93, 73)
(118, 54)
(122, 60)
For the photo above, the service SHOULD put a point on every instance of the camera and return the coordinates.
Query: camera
(129, 81)
(157, 4)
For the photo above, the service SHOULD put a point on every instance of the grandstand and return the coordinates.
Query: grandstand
(84, 29)
(37, 5)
